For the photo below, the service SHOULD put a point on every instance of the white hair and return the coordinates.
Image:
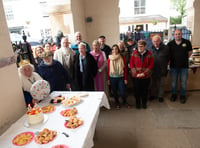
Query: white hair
(21, 68)
(82, 44)
(76, 33)
(156, 36)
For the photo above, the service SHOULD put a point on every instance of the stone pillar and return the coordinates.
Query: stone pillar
(12, 104)
(60, 17)
(93, 18)
(196, 28)
(105, 20)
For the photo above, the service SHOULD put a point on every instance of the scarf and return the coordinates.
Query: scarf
(116, 64)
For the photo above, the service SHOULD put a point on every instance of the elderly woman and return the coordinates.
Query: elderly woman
(100, 58)
(117, 75)
(84, 69)
(141, 65)
(53, 71)
(27, 77)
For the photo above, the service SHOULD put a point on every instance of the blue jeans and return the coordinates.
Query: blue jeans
(183, 74)
(118, 83)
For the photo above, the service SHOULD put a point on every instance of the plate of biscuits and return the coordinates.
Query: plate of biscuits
(73, 122)
(23, 138)
(69, 112)
(45, 136)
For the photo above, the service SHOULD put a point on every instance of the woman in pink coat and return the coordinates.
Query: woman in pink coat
(100, 58)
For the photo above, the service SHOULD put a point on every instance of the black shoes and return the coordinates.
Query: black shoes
(144, 106)
(173, 97)
(151, 98)
(182, 99)
(160, 99)
(137, 106)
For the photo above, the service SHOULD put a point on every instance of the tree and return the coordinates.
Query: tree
(179, 6)
(175, 20)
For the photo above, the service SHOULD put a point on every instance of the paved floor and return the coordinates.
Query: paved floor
(161, 125)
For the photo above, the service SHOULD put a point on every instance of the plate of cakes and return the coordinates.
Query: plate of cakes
(48, 109)
(45, 136)
(69, 112)
(58, 99)
(71, 101)
(73, 122)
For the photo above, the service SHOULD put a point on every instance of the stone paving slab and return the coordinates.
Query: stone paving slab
(161, 125)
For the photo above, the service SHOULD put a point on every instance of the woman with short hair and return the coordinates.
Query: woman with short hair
(84, 69)
(53, 71)
(141, 65)
(100, 58)
(27, 78)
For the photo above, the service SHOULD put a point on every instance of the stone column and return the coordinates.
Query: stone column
(12, 104)
(60, 17)
(196, 30)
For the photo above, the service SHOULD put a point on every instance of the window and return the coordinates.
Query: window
(44, 6)
(9, 13)
(139, 6)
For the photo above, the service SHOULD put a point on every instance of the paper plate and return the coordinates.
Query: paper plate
(60, 145)
(40, 89)
(65, 124)
(21, 134)
(62, 112)
(46, 142)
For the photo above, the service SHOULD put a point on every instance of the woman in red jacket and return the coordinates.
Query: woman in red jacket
(117, 75)
(141, 65)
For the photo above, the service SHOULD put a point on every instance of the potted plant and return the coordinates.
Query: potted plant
(154, 22)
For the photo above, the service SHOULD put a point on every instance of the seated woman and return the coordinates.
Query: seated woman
(53, 71)
(27, 77)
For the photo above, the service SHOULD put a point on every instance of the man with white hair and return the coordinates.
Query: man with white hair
(160, 54)
(78, 40)
(65, 55)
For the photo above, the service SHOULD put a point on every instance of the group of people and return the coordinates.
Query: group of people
(82, 68)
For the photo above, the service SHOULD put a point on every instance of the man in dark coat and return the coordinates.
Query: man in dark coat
(131, 45)
(84, 69)
(161, 55)
(103, 46)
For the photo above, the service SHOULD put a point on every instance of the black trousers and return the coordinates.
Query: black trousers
(141, 90)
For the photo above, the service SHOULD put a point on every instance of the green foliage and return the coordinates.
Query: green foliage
(179, 6)
(175, 20)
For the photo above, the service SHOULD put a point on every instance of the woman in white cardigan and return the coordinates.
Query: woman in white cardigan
(27, 77)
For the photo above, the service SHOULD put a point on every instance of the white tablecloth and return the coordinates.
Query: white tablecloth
(81, 137)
